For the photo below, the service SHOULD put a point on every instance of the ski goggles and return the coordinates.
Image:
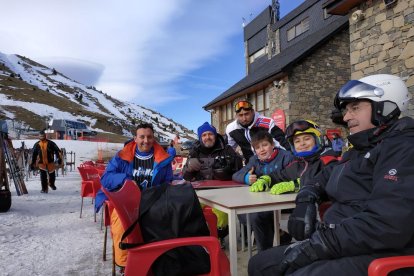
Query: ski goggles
(355, 90)
(243, 105)
(301, 125)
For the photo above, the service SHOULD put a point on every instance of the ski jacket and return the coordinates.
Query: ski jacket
(372, 193)
(280, 161)
(305, 168)
(46, 162)
(121, 167)
(206, 156)
(237, 135)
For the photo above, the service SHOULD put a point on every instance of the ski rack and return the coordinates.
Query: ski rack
(15, 172)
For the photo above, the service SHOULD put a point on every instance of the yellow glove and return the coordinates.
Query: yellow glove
(285, 187)
(262, 184)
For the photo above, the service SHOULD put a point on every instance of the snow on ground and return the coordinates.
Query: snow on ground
(42, 234)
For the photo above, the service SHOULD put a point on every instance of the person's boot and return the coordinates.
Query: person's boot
(222, 233)
(44, 188)
(52, 186)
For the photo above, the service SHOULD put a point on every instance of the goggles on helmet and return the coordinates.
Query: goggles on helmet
(242, 105)
(354, 90)
(301, 125)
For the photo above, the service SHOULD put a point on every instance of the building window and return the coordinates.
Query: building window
(252, 99)
(326, 15)
(267, 99)
(260, 101)
(298, 29)
(258, 54)
(223, 113)
(229, 111)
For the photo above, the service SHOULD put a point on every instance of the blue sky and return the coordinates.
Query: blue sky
(172, 56)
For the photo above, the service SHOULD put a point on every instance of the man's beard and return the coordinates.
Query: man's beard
(208, 144)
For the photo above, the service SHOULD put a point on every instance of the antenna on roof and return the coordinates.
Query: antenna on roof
(275, 10)
(244, 22)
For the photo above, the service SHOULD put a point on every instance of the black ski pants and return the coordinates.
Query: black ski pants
(44, 179)
(266, 263)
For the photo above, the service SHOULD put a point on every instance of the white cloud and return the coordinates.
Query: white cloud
(132, 49)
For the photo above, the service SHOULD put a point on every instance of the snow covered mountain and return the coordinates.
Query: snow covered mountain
(32, 94)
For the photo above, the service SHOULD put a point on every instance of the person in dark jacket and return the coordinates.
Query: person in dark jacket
(238, 131)
(43, 157)
(142, 160)
(371, 190)
(207, 153)
(268, 159)
(211, 158)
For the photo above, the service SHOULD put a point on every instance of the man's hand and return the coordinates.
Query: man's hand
(193, 165)
(285, 187)
(305, 252)
(262, 184)
(302, 221)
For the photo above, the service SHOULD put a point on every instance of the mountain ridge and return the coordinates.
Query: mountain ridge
(32, 93)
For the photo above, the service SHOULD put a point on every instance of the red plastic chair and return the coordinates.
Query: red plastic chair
(211, 219)
(383, 266)
(126, 202)
(87, 164)
(90, 184)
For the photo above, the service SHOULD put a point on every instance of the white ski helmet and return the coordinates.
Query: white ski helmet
(388, 95)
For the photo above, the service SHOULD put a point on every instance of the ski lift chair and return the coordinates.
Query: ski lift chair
(90, 185)
(126, 202)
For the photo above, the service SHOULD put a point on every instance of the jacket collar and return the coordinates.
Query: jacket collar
(128, 152)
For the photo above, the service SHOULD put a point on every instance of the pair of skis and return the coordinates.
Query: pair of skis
(15, 171)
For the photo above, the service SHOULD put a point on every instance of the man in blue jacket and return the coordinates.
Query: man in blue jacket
(142, 160)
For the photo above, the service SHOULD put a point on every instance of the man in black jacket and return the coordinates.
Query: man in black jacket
(238, 131)
(371, 190)
(43, 157)
(211, 158)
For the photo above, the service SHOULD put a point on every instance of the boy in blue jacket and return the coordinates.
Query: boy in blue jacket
(267, 159)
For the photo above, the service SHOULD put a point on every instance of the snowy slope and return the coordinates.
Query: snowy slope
(100, 111)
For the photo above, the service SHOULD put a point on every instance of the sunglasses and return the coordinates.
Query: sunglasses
(298, 126)
(243, 105)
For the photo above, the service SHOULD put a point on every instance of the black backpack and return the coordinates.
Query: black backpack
(167, 212)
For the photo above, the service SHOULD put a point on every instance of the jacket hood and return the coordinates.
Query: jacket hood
(128, 152)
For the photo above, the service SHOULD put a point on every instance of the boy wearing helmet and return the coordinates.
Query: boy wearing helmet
(304, 137)
(371, 190)
(267, 159)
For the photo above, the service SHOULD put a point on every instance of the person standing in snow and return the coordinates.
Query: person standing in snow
(44, 152)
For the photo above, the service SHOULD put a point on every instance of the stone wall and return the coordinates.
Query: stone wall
(313, 82)
(383, 42)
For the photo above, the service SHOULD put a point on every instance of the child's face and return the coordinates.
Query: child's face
(303, 142)
(263, 149)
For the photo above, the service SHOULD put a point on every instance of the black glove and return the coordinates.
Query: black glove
(32, 167)
(60, 161)
(302, 221)
(305, 252)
